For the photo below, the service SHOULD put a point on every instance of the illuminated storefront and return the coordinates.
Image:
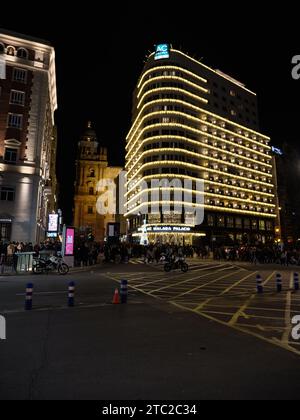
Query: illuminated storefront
(178, 235)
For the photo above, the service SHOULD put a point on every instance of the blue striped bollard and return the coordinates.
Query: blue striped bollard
(296, 281)
(278, 282)
(71, 294)
(259, 284)
(28, 297)
(124, 291)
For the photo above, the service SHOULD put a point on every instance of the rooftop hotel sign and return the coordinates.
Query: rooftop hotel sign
(277, 151)
(162, 51)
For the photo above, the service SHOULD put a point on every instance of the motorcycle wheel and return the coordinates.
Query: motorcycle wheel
(36, 269)
(63, 269)
(184, 267)
(167, 267)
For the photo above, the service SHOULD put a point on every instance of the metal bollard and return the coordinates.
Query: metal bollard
(2, 257)
(28, 297)
(259, 284)
(71, 294)
(296, 281)
(279, 282)
(124, 291)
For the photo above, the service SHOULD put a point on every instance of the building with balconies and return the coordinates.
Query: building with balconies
(27, 136)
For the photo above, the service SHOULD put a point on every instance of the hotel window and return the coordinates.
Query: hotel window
(5, 230)
(254, 224)
(90, 210)
(269, 225)
(7, 194)
(15, 121)
(22, 53)
(91, 191)
(246, 224)
(19, 75)
(221, 221)
(262, 225)
(10, 51)
(238, 223)
(10, 155)
(17, 97)
(210, 220)
(230, 222)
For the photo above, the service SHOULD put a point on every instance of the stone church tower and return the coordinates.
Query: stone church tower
(91, 167)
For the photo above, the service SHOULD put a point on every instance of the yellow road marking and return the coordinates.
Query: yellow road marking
(126, 274)
(293, 343)
(217, 312)
(221, 294)
(238, 282)
(278, 343)
(187, 280)
(132, 287)
(287, 317)
(203, 285)
(242, 309)
(264, 317)
(243, 328)
(255, 308)
(165, 277)
(264, 328)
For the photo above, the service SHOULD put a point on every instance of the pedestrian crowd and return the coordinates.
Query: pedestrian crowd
(259, 254)
(9, 251)
(88, 253)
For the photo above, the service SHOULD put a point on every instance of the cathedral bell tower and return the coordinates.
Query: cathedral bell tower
(91, 167)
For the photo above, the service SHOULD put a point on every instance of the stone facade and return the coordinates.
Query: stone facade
(92, 167)
(27, 137)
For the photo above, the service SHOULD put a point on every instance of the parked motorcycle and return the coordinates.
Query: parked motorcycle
(53, 263)
(176, 264)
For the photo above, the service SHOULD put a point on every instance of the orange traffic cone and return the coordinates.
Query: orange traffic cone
(116, 298)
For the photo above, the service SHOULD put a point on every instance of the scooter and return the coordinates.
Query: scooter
(175, 264)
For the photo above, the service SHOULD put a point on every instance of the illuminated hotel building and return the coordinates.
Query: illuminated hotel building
(193, 122)
(27, 136)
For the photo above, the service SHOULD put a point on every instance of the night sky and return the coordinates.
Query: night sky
(100, 54)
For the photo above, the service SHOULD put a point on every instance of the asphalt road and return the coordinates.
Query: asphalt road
(202, 335)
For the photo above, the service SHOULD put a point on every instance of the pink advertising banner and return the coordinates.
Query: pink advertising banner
(69, 244)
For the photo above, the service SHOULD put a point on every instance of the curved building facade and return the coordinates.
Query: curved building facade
(193, 123)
